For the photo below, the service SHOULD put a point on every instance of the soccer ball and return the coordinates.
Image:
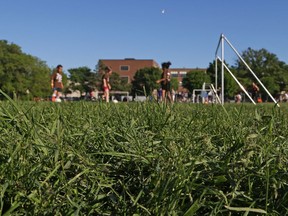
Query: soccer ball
(57, 100)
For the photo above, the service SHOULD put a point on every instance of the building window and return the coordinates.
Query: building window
(182, 73)
(174, 73)
(124, 68)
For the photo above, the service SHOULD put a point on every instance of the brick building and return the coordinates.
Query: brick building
(127, 67)
(180, 73)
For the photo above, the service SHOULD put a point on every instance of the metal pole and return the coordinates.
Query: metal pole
(216, 63)
(258, 80)
(216, 73)
(203, 89)
(222, 70)
(219, 42)
(193, 96)
(215, 92)
(243, 89)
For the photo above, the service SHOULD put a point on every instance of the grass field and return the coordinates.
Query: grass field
(85, 158)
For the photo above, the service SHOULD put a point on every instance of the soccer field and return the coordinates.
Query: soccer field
(89, 158)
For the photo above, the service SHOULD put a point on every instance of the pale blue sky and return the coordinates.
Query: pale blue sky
(77, 33)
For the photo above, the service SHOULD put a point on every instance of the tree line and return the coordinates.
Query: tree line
(25, 76)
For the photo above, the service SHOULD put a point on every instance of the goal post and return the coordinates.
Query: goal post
(221, 43)
(204, 92)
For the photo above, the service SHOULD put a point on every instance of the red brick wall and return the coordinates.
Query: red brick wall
(133, 65)
(136, 64)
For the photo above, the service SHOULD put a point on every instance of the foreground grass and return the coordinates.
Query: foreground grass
(143, 159)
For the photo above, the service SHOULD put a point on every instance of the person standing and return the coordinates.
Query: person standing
(255, 92)
(165, 81)
(238, 98)
(106, 84)
(56, 83)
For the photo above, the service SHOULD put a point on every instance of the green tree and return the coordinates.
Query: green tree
(230, 85)
(145, 80)
(211, 71)
(265, 65)
(40, 82)
(174, 83)
(269, 83)
(22, 75)
(82, 79)
(195, 80)
(119, 84)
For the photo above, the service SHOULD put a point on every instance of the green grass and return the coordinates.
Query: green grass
(89, 158)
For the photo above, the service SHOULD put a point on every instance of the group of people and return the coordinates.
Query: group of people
(255, 94)
(165, 83)
(57, 84)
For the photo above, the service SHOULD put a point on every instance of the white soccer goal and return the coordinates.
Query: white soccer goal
(221, 43)
(208, 91)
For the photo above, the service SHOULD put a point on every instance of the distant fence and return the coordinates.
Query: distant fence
(112, 93)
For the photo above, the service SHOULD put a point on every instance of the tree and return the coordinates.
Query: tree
(174, 83)
(195, 80)
(40, 82)
(119, 84)
(22, 75)
(82, 79)
(269, 83)
(230, 85)
(145, 80)
(265, 65)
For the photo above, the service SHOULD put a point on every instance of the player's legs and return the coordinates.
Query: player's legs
(163, 95)
(54, 94)
(107, 95)
(169, 96)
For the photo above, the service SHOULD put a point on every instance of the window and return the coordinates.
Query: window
(124, 68)
(174, 73)
(182, 73)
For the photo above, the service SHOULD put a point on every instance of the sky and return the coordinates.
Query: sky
(78, 33)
